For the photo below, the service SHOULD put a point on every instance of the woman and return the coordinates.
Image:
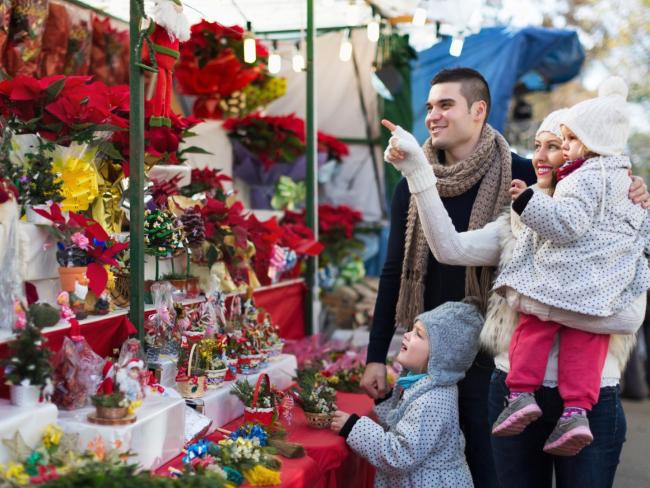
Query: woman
(520, 460)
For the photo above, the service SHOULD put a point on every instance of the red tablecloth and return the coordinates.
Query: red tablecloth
(329, 463)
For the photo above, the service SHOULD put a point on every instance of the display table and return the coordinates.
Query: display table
(222, 407)
(329, 463)
(31, 423)
(155, 437)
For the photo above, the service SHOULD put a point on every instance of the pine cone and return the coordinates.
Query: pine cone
(193, 227)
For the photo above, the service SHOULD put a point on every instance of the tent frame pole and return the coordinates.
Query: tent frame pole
(311, 302)
(136, 176)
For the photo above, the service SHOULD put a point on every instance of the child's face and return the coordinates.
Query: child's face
(414, 354)
(572, 148)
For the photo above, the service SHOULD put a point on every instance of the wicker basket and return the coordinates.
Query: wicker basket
(216, 377)
(191, 386)
(318, 420)
(121, 292)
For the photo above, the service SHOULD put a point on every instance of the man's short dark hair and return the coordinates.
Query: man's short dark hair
(472, 85)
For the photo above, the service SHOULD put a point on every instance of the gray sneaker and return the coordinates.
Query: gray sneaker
(519, 412)
(569, 437)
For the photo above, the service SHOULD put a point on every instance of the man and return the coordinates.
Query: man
(474, 168)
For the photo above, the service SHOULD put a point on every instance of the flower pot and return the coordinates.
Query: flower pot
(69, 276)
(34, 218)
(25, 396)
(192, 289)
(180, 285)
(318, 420)
(111, 413)
(191, 386)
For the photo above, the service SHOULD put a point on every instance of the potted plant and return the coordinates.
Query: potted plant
(28, 367)
(316, 397)
(113, 406)
(29, 159)
(163, 238)
(84, 248)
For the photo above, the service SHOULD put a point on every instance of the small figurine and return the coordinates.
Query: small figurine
(65, 311)
(107, 385)
(103, 304)
(128, 379)
(78, 298)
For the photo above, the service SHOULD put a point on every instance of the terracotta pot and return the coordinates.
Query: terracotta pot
(69, 276)
(24, 396)
(179, 284)
(192, 288)
(111, 412)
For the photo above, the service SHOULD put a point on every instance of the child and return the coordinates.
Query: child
(582, 250)
(418, 441)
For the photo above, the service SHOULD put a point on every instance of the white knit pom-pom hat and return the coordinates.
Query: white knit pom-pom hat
(602, 123)
(552, 123)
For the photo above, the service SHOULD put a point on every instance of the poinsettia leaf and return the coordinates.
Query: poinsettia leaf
(212, 255)
(194, 150)
(54, 89)
(109, 149)
(97, 278)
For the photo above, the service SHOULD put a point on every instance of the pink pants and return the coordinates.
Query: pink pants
(580, 360)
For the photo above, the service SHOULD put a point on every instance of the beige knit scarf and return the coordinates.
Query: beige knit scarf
(491, 164)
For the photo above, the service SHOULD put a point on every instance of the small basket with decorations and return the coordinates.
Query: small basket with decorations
(191, 380)
(316, 397)
(261, 401)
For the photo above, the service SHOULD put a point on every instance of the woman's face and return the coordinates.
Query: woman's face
(414, 353)
(547, 158)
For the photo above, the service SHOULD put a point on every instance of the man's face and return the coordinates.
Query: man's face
(449, 120)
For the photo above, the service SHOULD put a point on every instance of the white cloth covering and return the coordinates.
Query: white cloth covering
(31, 422)
(156, 436)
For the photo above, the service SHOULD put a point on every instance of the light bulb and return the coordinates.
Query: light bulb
(373, 30)
(275, 63)
(345, 51)
(298, 62)
(250, 50)
(419, 17)
(456, 46)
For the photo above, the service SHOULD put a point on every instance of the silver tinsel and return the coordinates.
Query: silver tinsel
(10, 282)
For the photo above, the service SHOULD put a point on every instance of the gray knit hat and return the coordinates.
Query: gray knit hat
(602, 123)
(453, 329)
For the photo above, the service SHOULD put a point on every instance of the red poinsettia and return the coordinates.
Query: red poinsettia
(279, 138)
(210, 61)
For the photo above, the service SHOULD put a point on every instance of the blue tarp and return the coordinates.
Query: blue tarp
(537, 56)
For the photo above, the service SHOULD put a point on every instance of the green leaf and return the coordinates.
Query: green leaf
(109, 149)
(194, 150)
(54, 89)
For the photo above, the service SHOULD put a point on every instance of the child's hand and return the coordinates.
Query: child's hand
(339, 419)
(517, 187)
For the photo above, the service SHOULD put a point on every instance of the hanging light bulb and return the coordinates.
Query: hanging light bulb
(345, 51)
(298, 62)
(275, 60)
(250, 49)
(456, 46)
(420, 15)
(373, 29)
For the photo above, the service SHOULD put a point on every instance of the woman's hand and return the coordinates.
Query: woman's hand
(517, 187)
(339, 419)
